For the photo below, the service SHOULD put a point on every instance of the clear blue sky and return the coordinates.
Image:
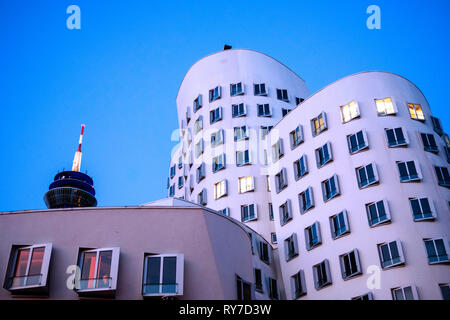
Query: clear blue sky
(120, 74)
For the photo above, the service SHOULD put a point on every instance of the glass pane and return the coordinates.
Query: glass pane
(415, 207)
(440, 247)
(104, 269)
(88, 270)
(152, 278)
(21, 268)
(399, 134)
(408, 293)
(394, 252)
(398, 294)
(34, 273)
(169, 275)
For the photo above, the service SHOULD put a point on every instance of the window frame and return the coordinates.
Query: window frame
(291, 247)
(251, 189)
(369, 183)
(266, 113)
(398, 143)
(308, 235)
(298, 172)
(316, 131)
(318, 152)
(416, 116)
(402, 288)
(385, 113)
(325, 195)
(298, 285)
(401, 258)
(249, 218)
(179, 274)
(293, 137)
(285, 212)
(260, 93)
(329, 281)
(431, 216)
(236, 85)
(215, 115)
(218, 195)
(386, 210)
(409, 177)
(446, 247)
(351, 111)
(239, 114)
(358, 270)
(333, 230)
(212, 94)
(360, 147)
(308, 190)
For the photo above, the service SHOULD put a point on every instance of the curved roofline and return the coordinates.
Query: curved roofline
(353, 75)
(241, 49)
(141, 207)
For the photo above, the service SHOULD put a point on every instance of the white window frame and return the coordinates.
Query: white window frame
(386, 210)
(237, 93)
(281, 181)
(359, 147)
(221, 184)
(361, 297)
(385, 109)
(289, 242)
(298, 285)
(286, 207)
(437, 125)
(308, 231)
(242, 154)
(430, 204)
(319, 152)
(417, 168)
(297, 165)
(216, 161)
(238, 107)
(369, 183)
(277, 150)
(242, 133)
(446, 246)
(255, 210)
(293, 134)
(429, 147)
(401, 144)
(324, 189)
(199, 148)
(401, 256)
(212, 94)
(358, 270)
(328, 281)
(202, 197)
(251, 189)
(200, 172)
(283, 98)
(113, 272)
(416, 115)
(413, 291)
(197, 103)
(319, 129)
(333, 230)
(262, 106)
(308, 190)
(43, 280)
(217, 138)
(353, 110)
(212, 115)
(198, 125)
(179, 274)
(265, 93)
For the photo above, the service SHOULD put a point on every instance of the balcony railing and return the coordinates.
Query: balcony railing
(159, 288)
(95, 283)
(21, 282)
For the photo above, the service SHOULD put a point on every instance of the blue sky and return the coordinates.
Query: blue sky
(120, 74)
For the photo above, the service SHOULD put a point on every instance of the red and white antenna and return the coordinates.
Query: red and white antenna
(77, 159)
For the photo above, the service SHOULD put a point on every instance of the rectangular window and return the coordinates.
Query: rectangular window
(225, 212)
(218, 163)
(284, 112)
(285, 211)
(445, 291)
(447, 153)
(248, 212)
(349, 112)
(172, 190)
(188, 115)
(172, 171)
(282, 95)
(313, 237)
(437, 126)
(243, 158)
(323, 155)
(350, 264)
(215, 115)
(367, 175)
(364, 297)
(322, 275)
(408, 171)
(422, 209)
(217, 138)
(291, 247)
(306, 200)
(277, 150)
(260, 89)
(319, 124)
(263, 110)
(378, 212)
(263, 251)
(271, 217)
(246, 184)
(99, 269)
(220, 189)
(268, 183)
(298, 285)
(238, 110)
(281, 180)
(300, 167)
(197, 103)
(405, 293)
(215, 93)
(244, 289)
(199, 148)
(437, 250)
(202, 198)
(240, 133)
(180, 182)
(273, 237)
(385, 107)
(236, 89)
(264, 131)
(396, 137)
(198, 125)
(296, 137)
(163, 275)
(442, 176)
(27, 269)
(357, 142)
(339, 225)
(391, 254)
(273, 289)
(200, 172)
(415, 110)
(258, 280)
(429, 143)
(298, 100)
(330, 188)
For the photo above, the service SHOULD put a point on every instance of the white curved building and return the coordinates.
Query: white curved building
(358, 175)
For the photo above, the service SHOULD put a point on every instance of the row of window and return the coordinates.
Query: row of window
(28, 268)
(390, 254)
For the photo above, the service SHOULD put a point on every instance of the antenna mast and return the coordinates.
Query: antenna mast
(77, 159)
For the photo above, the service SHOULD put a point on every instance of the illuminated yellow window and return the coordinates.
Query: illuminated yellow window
(245, 184)
(415, 110)
(349, 111)
(220, 189)
(385, 106)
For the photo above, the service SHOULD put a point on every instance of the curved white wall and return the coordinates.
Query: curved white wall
(222, 69)
(364, 88)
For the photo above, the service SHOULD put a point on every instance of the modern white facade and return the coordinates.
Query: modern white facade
(385, 188)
